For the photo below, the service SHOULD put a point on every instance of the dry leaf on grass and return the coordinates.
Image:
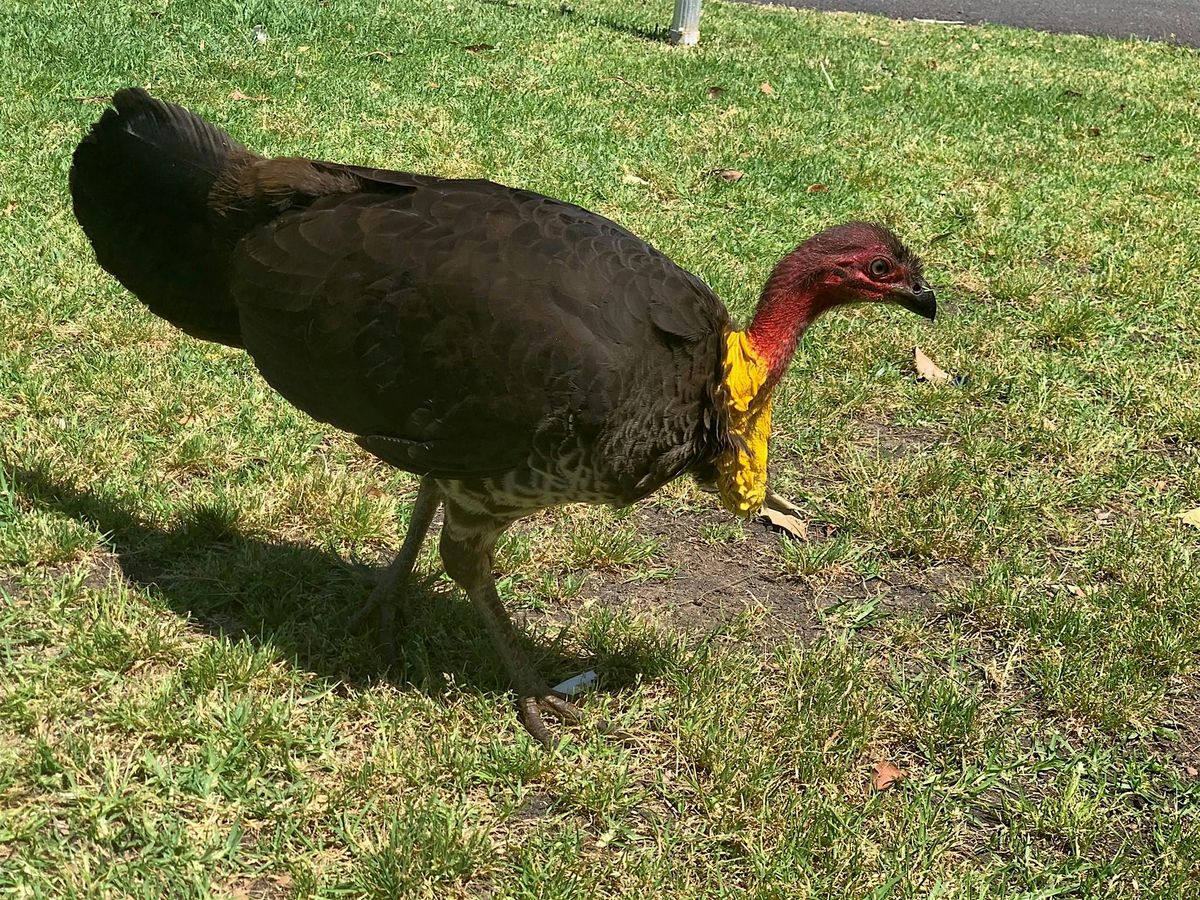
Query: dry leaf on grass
(928, 370)
(8, 209)
(630, 178)
(781, 513)
(766, 88)
(793, 525)
(831, 740)
(885, 776)
(728, 174)
(237, 94)
(1191, 517)
(817, 189)
(714, 92)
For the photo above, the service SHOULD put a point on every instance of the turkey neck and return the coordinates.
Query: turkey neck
(755, 360)
(790, 301)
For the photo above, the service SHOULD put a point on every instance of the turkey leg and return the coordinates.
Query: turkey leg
(467, 543)
(383, 598)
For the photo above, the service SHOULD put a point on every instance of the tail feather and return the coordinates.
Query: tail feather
(140, 184)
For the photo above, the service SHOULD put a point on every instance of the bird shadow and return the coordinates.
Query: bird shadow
(298, 598)
(566, 11)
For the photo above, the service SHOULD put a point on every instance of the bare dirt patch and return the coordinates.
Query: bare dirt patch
(99, 566)
(266, 887)
(899, 440)
(1184, 712)
(714, 582)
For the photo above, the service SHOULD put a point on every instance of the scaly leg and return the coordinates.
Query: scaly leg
(467, 543)
(383, 597)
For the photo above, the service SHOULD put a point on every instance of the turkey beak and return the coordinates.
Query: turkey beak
(918, 298)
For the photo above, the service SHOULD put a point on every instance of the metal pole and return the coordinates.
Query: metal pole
(685, 27)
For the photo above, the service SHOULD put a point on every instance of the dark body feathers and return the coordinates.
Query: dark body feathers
(531, 350)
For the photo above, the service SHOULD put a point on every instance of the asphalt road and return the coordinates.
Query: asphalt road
(1175, 21)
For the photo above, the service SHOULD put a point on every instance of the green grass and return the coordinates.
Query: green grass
(1005, 606)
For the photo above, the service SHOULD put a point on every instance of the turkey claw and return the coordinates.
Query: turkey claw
(531, 709)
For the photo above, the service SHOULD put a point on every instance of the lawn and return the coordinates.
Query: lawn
(998, 598)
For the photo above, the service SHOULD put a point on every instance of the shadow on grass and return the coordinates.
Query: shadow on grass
(298, 598)
(566, 11)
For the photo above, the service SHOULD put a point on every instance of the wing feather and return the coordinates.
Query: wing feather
(456, 326)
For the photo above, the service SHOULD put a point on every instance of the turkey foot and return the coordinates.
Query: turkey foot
(531, 709)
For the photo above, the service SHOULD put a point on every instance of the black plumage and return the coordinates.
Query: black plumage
(460, 328)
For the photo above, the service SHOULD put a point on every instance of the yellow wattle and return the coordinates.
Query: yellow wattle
(742, 470)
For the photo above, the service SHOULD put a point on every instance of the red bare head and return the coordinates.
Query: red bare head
(852, 263)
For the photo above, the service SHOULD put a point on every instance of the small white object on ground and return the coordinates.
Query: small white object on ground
(573, 686)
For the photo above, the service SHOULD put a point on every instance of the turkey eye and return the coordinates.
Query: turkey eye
(880, 267)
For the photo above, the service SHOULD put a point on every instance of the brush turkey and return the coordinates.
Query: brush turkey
(513, 350)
